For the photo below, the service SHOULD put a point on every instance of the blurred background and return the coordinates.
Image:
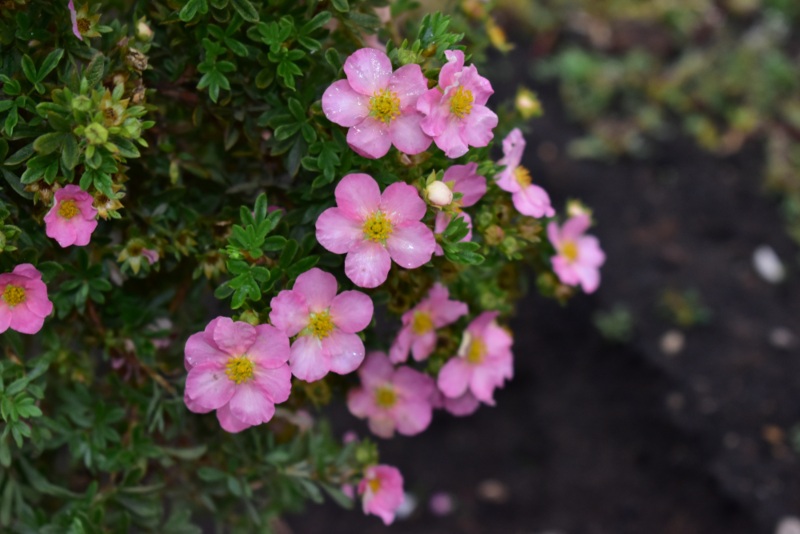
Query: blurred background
(669, 401)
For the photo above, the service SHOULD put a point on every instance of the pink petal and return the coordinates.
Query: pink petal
(249, 405)
(479, 86)
(73, 15)
(199, 350)
(411, 244)
(466, 404)
(466, 181)
(507, 181)
(370, 138)
(590, 252)
(382, 425)
(308, 361)
(24, 321)
(358, 196)
(208, 386)
(423, 345)
(233, 338)
(450, 141)
(368, 264)
(5, 317)
(436, 114)
(413, 417)
(412, 384)
(454, 66)
(275, 383)
(228, 422)
(482, 384)
(575, 227)
(37, 301)
(361, 402)
(368, 70)
(513, 148)
(408, 83)
(589, 277)
(344, 106)
(398, 353)
(28, 271)
(401, 202)
(289, 312)
(270, 349)
(345, 352)
(318, 288)
(478, 125)
(454, 377)
(376, 370)
(351, 311)
(337, 231)
(449, 312)
(533, 201)
(407, 135)
(554, 234)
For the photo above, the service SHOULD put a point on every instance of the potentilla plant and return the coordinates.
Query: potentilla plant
(206, 207)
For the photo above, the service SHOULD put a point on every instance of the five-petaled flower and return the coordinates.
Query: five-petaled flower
(374, 229)
(578, 257)
(377, 105)
(73, 218)
(325, 325)
(239, 370)
(483, 362)
(24, 304)
(420, 324)
(455, 112)
(528, 198)
(392, 399)
(381, 491)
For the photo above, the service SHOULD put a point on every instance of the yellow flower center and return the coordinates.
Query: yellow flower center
(422, 323)
(68, 209)
(569, 250)
(385, 397)
(13, 295)
(522, 176)
(461, 102)
(239, 369)
(378, 228)
(84, 25)
(374, 485)
(384, 105)
(320, 325)
(476, 351)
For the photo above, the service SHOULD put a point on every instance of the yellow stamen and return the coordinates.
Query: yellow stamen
(84, 25)
(13, 295)
(385, 105)
(378, 228)
(476, 351)
(422, 323)
(522, 176)
(320, 325)
(68, 209)
(239, 369)
(461, 102)
(385, 397)
(374, 485)
(569, 250)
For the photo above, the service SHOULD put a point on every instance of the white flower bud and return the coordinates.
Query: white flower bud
(439, 194)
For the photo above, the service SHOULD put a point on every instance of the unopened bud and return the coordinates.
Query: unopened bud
(439, 194)
(143, 31)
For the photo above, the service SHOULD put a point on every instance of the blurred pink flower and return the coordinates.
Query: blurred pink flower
(392, 399)
(378, 105)
(529, 199)
(73, 218)
(455, 112)
(381, 491)
(373, 229)
(325, 325)
(461, 406)
(578, 257)
(73, 15)
(24, 304)
(239, 370)
(420, 323)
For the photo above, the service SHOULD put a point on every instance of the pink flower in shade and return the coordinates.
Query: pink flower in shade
(374, 229)
(578, 257)
(239, 370)
(483, 362)
(73, 218)
(391, 398)
(463, 179)
(378, 105)
(381, 491)
(529, 199)
(455, 113)
(73, 15)
(23, 300)
(325, 325)
(461, 406)
(420, 323)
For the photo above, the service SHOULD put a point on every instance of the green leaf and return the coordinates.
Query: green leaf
(29, 69)
(50, 62)
(20, 155)
(49, 142)
(191, 8)
(341, 5)
(245, 10)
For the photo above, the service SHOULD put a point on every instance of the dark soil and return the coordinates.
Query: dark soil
(592, 437)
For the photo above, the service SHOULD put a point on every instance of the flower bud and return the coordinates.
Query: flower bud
(439, 194)
(143, 31)
(96, 134)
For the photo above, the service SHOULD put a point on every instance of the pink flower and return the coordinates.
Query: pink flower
(378, 105)
(421, 322)
(23, 300)
(239, 370)
(483, 362)
(374, 229)
(529, 199)
(578, 257)
(455, 112)
(461, 406)
(73, 15)
(391, 398)
(325, 325)
(381, 491)
(73, 218)
(463, 179)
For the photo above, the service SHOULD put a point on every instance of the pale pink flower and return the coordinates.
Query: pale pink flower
(325, 325)
(73, 218)
(421, 322)
(461, 406)
(392, 399)
(378, 105)
(462, 179)
(24, 304)
(381, 491)
(73, 15)
(239, 370)
(455, 112)
(578, 257)
(529, 199)
(483, 362)
(374, 229)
